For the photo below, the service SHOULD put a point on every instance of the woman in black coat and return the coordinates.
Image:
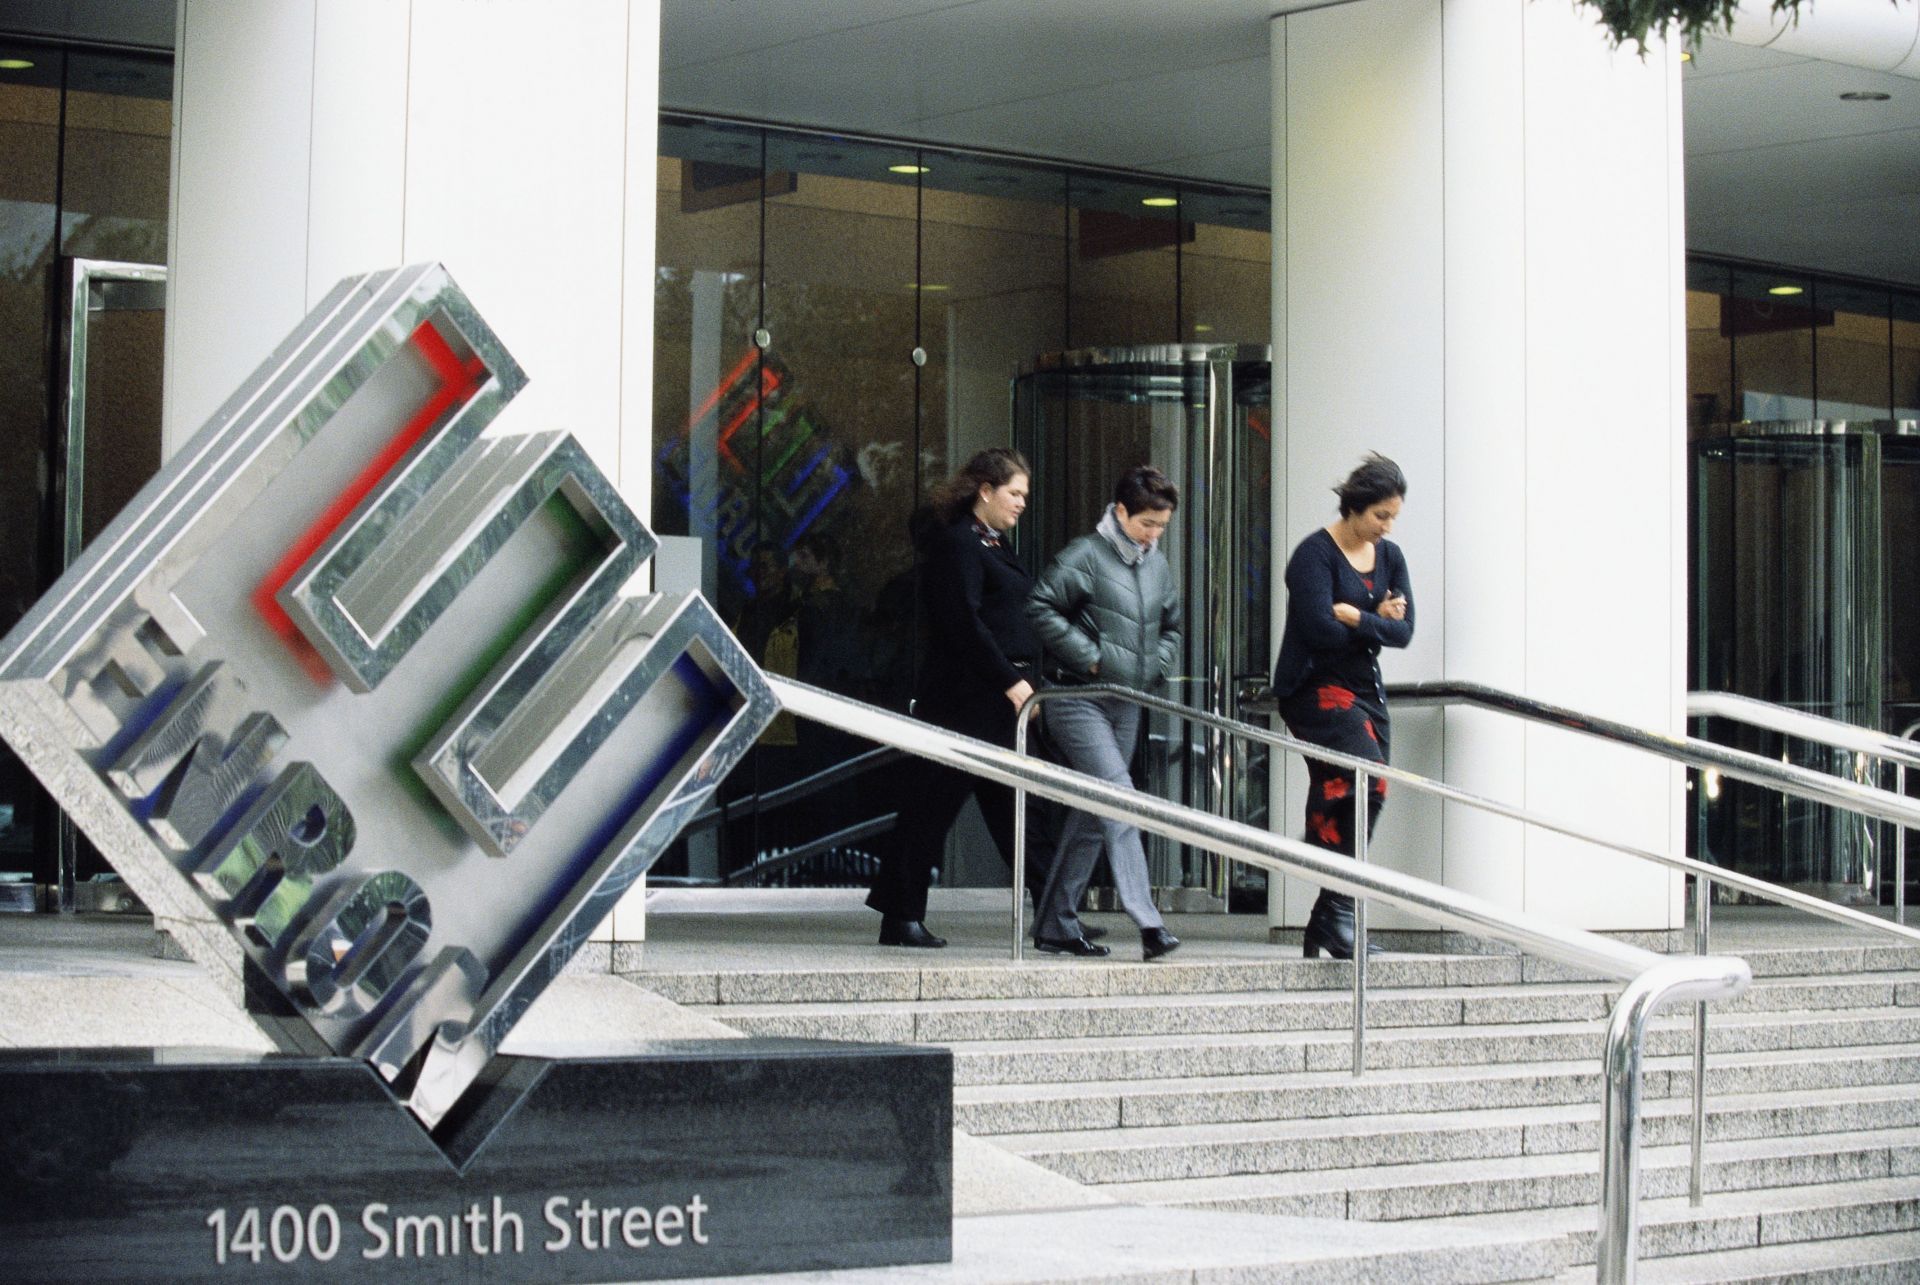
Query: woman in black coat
(1348, 595)
(981, 661)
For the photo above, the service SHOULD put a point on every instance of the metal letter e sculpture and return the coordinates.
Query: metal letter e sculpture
(362, 686)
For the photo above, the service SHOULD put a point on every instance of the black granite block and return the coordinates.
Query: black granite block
(690, 1159)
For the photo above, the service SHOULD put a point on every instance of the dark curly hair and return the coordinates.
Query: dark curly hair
(1378, 478)
(996, 466)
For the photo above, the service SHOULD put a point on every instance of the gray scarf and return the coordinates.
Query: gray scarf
(1131, 551)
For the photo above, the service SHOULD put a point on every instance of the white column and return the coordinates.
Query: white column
(1478, 272)
(513, 141)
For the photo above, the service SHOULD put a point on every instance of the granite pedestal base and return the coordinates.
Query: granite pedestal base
(690, 1159)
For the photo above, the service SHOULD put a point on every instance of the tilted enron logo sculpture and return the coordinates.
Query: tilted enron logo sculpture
(364, 685)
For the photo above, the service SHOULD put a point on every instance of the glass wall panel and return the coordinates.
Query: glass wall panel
(1770, 321)
(838, 447)
(29, 178)
(1226, 283)
(992, 296)
(1709, 347)
(115, 168)
(1852, 352)
(1905, 338)
(706, 399)
(1125, 266)
(838, 322)
(84, 147)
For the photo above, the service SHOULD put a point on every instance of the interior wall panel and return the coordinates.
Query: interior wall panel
(237, 244)
(356, 208)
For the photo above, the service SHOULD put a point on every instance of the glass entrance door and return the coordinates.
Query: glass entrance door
(1797, 531)
(1199, 414)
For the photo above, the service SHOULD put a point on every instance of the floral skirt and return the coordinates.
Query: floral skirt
(1333, 716)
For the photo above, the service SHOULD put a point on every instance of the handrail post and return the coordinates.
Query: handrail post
(1617, 1248)
(1900, 850)
(1702, 930)
(1360, 836)
(1020, 722)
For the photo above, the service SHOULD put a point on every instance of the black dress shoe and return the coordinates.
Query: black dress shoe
(907, 932)
(1155, 942)
(1076, 946)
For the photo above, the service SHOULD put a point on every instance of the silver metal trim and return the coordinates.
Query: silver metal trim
(1806, 727)
(1090, 359)
(1800, 782)
(88, 282)
(1816, 428)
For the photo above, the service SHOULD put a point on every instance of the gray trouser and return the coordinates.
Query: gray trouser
(1095, 736)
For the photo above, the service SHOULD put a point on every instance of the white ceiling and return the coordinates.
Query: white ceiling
(1779, 168)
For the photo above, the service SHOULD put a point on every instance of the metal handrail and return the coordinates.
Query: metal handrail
(1654, 981)
(1803, 726)
(1897, 750)
(1738, 764)
(792, 792)
(1759, 887)
(1708, 874)
(1803, 783)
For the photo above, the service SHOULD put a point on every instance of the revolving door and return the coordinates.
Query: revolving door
(1201, 415)
(1805, 593)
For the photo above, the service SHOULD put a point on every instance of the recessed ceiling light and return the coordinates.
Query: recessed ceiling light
(1864, 96)
(15, 64)
(928, 287)
(1160, 202)
(1785, 290)
(908, 169)
(1201, 328)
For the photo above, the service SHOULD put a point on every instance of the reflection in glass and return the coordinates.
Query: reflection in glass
(92, 132)
(1852, 352)
(837, 324)
(1772, 338)
(1125, 262)
(1225, 279)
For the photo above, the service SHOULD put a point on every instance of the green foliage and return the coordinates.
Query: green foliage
(1636, 20)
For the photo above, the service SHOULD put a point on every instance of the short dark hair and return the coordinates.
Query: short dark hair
(1145, 487)
(1378, 478)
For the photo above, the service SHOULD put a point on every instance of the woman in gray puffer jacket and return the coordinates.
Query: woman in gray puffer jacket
(1107, 612)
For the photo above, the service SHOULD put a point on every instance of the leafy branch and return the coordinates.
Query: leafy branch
(1636, 20)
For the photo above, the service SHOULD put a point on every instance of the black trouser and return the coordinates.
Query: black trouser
(931, 797)
(1330, 715)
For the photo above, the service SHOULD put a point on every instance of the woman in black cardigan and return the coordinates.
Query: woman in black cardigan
(981, 661)
(1348, 595)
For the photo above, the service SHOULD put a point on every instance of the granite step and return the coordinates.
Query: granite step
(1510, 1183)
(946, 1021)
(1559, 1041)
(1098, 1156)
(1055, 1060)
(1045, 976)
(1727, 1221)
(1892, 1259)
(1203, 1099)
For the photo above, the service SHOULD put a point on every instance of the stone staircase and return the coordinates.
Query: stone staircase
(1226, 1087)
